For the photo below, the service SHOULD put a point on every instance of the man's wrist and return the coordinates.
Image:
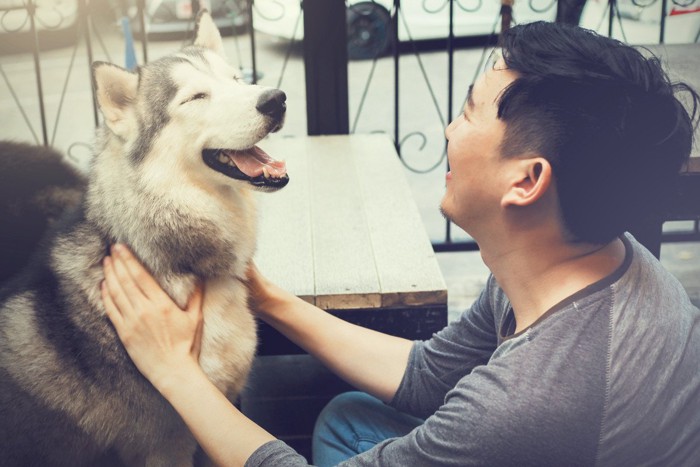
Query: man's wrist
(277, 301)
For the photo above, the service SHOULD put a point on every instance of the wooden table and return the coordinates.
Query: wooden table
(346, 235)
(682, 62)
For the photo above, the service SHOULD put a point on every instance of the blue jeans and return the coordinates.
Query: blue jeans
(355, 422)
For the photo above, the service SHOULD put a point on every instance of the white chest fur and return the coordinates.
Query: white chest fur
(229, 339)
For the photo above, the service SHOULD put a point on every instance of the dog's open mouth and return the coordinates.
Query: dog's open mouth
(252, 165)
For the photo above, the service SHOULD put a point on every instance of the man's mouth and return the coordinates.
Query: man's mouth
(252, 165)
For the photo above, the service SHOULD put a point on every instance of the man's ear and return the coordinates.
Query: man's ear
(208, 35)
(530, 181)
(116, 90)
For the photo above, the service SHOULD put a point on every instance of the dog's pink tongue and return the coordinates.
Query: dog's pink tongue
(251, 162)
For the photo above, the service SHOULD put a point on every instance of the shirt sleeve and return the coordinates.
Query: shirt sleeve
(540, 399)
(496, 416)
(276, 453)
(435, 366)
(518, 410)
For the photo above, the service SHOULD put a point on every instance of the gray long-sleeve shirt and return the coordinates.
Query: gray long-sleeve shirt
(608, 377)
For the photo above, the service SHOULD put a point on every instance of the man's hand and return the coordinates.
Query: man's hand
(265, 297)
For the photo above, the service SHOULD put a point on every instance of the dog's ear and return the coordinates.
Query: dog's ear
(115, 89)
(208, 35)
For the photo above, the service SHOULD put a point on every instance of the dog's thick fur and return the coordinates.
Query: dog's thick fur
(36, 187)
(68, 390)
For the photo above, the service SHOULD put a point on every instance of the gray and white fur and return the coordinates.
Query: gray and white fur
(68, 391)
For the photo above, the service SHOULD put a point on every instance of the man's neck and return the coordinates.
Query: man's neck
(537, 275)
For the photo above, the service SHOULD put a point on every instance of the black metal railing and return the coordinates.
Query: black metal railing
(403, 44)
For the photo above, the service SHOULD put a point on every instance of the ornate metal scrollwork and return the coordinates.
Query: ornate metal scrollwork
(423, 142)
(18, 18)
(548, 6)
(459, 3)
(265, 14)
(683, 3)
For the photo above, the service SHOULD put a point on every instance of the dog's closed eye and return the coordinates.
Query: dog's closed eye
(199, 95)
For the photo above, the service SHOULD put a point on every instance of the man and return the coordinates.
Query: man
(581, 350)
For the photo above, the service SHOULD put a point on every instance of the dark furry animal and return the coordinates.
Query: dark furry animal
(173, 175)
(36, 187)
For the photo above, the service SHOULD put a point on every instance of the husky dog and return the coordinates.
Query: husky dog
(173, 177)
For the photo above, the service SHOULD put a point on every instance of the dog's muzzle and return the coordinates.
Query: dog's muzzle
(254, 165)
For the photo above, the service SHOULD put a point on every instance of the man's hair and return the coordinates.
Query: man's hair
(606, 118)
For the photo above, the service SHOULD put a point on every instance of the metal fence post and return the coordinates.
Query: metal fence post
(326, 64)
(395, 32)
(84, 12)
(662, 30)
(31, 11)
(251, 34)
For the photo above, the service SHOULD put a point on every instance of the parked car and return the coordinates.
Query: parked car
(168, 18)
(369, 22)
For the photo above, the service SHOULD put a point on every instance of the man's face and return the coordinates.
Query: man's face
(474, 186)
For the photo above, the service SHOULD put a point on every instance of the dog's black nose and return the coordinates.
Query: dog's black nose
(271, 103)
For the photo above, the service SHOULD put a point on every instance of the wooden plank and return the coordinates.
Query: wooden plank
(408, 270)
(284, 233)
(346, 276)
(346, 233)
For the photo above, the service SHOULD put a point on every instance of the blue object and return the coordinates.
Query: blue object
(355, 422)
(129, 53)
